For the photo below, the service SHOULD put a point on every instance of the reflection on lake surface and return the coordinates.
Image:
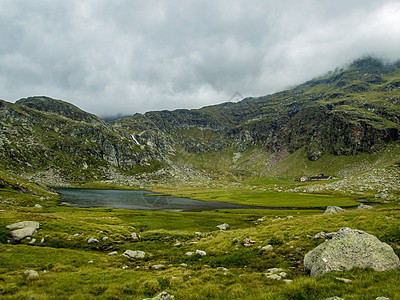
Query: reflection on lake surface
(141, 200)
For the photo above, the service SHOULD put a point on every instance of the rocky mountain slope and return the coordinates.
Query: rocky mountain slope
(350, 112)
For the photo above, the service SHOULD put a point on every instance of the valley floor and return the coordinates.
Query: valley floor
(71, 268)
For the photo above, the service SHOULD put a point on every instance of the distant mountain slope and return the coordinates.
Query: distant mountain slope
(346, 112)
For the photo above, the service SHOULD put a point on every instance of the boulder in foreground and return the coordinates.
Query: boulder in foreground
(348, 249)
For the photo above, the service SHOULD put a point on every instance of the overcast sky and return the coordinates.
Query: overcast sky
(127, 56)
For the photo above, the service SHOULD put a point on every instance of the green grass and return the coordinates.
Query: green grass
(62, 259)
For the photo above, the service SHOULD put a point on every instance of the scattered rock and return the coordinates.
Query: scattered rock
(32, 241)
(287, 281)
(333, 210)
(201, 253)
(93, 240)
(289, 217)
(90, 262)
(334, 298)
(105, 238)
(189, 253)
(113, 253)
(382, 298)
(361, 206)
(162, 296)
(158, 267)
(31, 273)
(198, 234)
(274, 276)
(224, 226)
(125, 267)
(134, 254)
(320, 235)
(38, 206)
(76, 234)
(267, 248)
(135, 236)
(349, 249)
(345, 280)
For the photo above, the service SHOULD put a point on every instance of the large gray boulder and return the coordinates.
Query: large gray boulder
(348, 249)
(24, 224)
(23, 229)
(20, 234)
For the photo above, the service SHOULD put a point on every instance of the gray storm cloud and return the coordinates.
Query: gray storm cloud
(111, 57)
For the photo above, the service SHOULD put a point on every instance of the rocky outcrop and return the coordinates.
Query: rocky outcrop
(348, 249)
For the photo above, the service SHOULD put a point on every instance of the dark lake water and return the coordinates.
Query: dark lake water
(141, 200)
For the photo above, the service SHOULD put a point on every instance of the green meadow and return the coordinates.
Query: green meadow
(71, 268)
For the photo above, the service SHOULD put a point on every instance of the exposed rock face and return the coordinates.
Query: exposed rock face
(134, 254)
(349, 249)
(333, 210)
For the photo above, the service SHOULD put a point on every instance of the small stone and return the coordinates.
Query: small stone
(134, 254)
(320, 235)
(201, 253)
(274, 276)
(334, 298)
(267, 248)
(283, 274)
(125, 267)
(184, 265)
(333, 210)
(162, 296)
(31, 273)
(158, 267)
(289, 217)
(135, 236)
(345, 280)
(93, 240)
(224, 226)
(382, 298)
(113, 253)
(287, 281)
(32, 241)
(104, 238)
(189, 253)
(76, 234)
(90, 261)
(38, 206)
(198, 234)
(362, 206)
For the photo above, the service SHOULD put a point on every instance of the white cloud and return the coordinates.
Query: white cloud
(124, 56)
